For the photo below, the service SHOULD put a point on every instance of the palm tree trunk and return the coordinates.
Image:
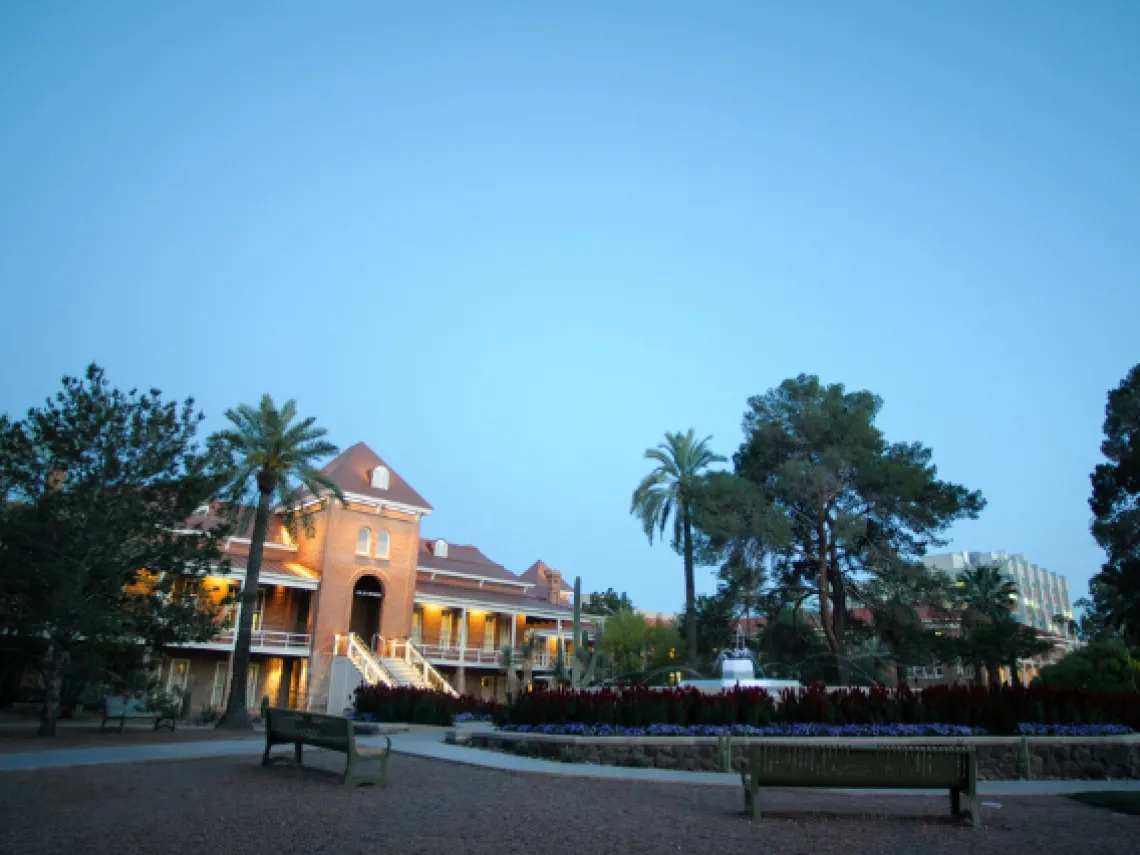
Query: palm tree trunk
(690, 589)
(236, 716)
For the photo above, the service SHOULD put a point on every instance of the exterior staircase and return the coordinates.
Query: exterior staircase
(399, 664)
(405, 673)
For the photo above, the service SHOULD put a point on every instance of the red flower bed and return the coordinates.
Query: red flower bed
(998, 712)
(418, 706)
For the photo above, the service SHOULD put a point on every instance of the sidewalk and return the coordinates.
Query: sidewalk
(428, 743)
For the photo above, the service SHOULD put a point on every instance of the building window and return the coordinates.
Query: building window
(254, 672)
(259, 611)
(179, 675)
(380, 478)
(440, 549)
(383, 544)
(364, 541)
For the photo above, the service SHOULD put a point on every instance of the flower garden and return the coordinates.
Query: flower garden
(941, 711)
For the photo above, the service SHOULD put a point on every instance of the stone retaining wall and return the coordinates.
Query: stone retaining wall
(999, 758)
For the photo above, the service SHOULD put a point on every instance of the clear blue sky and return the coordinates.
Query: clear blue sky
(508, 245)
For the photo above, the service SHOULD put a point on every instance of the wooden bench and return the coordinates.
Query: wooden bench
(123, 707)
(800, 764)
(292, 727)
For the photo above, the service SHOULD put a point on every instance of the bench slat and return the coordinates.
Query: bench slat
(335, 733)
(776, 764)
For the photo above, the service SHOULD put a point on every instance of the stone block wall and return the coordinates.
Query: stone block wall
(999, 758)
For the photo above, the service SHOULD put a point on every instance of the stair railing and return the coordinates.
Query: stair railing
(363, 660)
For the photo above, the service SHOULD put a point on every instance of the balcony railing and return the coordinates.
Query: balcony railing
(263, 638)
(454, 655)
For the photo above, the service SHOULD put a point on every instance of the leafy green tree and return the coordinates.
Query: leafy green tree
(894, 599)
(1115, 504)
(624, 640)
(850, 505)
(716, 626)
(666, 494)
(1102, 666)
(1096, 621)
(663, 645)
(272, 455)
(606, 603)
(95, 488)
(991, 636)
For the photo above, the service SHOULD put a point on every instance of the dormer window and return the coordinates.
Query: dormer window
(364, 541)
(439, 549)
(383, 544)
(380, 478)
(202, 511)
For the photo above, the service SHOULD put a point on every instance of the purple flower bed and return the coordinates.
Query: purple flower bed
(468, 716)
(1026, 729)
(810, 729)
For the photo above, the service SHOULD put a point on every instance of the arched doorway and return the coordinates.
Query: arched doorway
(367, 598)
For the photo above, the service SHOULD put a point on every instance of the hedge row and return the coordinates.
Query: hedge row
(999, 712)
(419, 706)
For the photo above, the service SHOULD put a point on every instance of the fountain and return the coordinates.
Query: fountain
(739, 668)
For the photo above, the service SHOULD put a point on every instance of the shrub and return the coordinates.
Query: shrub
(1004, 711)
(419, 706)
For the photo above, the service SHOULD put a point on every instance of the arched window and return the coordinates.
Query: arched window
(383, 544)
(380, 477)
(364, 541)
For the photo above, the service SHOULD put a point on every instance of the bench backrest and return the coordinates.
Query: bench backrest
(324, 731)
(861, 765)
(126, 705)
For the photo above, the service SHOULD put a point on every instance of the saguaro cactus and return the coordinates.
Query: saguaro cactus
(576, 659)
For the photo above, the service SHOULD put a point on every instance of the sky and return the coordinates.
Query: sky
(509, 245)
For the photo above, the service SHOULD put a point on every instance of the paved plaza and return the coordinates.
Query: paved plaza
(212, 795)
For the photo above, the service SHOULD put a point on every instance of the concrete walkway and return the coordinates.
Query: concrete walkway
(428, 743)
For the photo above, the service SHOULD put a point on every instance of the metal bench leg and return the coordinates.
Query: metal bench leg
(297, 752)
(955, 802)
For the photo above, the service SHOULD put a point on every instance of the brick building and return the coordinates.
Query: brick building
(363, 597)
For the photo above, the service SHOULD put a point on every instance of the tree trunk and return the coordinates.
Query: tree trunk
(49, 674)
(690, 588)
(900, 674)
(823, 587)
(236, 716)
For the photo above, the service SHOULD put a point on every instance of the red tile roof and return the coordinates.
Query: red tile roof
(519, 601)
(467, 560)
(351, 470)
(536, 573)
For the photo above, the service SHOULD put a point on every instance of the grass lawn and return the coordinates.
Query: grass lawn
(1121, 802)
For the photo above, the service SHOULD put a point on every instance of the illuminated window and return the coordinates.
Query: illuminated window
(383, 544)
(364, 541)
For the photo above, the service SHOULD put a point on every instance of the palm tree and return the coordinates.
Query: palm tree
(667, 492)
(271, 453)
(987, 598)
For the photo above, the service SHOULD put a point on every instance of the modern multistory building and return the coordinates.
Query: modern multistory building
(1042, 595)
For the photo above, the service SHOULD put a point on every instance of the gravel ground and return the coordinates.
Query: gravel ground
(23, 738)
(233, 805)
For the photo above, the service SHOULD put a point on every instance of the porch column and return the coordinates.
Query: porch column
(461, 680)
(561, 642)
(514, 630)
(463, 635)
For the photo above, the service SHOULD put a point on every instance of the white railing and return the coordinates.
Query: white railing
(453, 655)
(298, 641)
(362, 659)
(460, 655)
(394, 648)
